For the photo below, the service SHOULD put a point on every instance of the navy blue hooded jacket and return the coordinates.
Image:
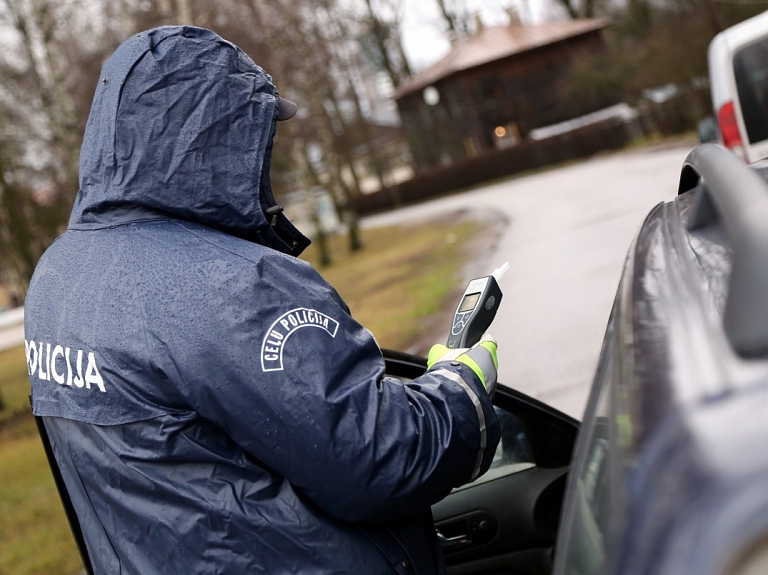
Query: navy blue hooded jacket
(212, 405)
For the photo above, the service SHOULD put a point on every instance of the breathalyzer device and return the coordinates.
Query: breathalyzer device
(476, 310)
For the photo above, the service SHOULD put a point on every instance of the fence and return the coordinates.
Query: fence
(675, 116)
(525, 156)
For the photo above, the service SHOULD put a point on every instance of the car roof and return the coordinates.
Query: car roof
(744, 32)
(721, 50)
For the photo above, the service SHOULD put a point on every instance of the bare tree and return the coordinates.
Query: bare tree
(584, 8)
(306, 53)
(456, 17)
(51, 54)
(18, 249)
(384, 18)
(49, 63)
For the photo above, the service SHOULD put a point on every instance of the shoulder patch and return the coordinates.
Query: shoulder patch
(278, 333)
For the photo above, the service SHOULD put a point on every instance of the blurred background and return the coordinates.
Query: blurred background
(399, 100)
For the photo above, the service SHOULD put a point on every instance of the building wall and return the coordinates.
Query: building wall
(495, 105)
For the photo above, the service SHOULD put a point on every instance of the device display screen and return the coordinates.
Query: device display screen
(469, 302)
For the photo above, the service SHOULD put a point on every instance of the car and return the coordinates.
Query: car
(668, 471)
(738, 75)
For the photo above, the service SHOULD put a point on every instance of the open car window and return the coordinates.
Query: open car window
(513, 453)
(505, 521)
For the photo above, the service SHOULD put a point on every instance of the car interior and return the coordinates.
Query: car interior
(506, 521)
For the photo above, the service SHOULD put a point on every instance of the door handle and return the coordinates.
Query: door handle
(470, 530)
(455, 542)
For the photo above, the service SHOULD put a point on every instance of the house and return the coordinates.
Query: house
(493, 88)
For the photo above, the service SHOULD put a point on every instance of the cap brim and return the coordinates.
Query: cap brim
(285, 109)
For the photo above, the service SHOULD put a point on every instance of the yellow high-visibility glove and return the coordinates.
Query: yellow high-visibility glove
(481, 358)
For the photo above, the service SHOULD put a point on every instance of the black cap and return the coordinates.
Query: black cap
(285, 109)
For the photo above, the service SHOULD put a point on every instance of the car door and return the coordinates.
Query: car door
(506, 521)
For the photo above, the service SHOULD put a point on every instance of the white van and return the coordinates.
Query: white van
(738, 74)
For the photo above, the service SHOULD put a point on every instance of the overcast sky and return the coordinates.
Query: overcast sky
(424, 41)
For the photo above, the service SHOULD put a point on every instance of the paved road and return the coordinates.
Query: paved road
(11, 328)
(568, 234)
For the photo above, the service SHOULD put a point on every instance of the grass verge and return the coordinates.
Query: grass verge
(394, 287)
(34, 534)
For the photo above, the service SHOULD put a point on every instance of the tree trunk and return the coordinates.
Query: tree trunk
(570, 8)
(185, 12)
(380, 34)
(320, 238)
(458, 25)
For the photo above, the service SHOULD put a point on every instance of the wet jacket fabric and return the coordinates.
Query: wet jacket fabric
(212, 405)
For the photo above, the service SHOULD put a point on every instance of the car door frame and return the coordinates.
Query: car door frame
(508, 524)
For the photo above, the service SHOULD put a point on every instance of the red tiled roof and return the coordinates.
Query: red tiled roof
(494, 43)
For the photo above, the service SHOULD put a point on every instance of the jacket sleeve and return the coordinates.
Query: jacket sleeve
(300, 385)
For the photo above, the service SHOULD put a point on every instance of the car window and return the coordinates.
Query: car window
(513, 453)
(585, 546)
(594, 501)
(750, 67)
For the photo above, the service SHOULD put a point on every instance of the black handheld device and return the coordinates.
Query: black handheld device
(476, 310)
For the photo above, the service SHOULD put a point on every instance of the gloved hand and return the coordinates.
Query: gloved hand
(480, 358)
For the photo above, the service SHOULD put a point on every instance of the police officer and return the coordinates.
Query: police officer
(212, 405)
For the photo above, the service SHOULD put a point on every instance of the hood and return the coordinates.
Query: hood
(182, 125)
